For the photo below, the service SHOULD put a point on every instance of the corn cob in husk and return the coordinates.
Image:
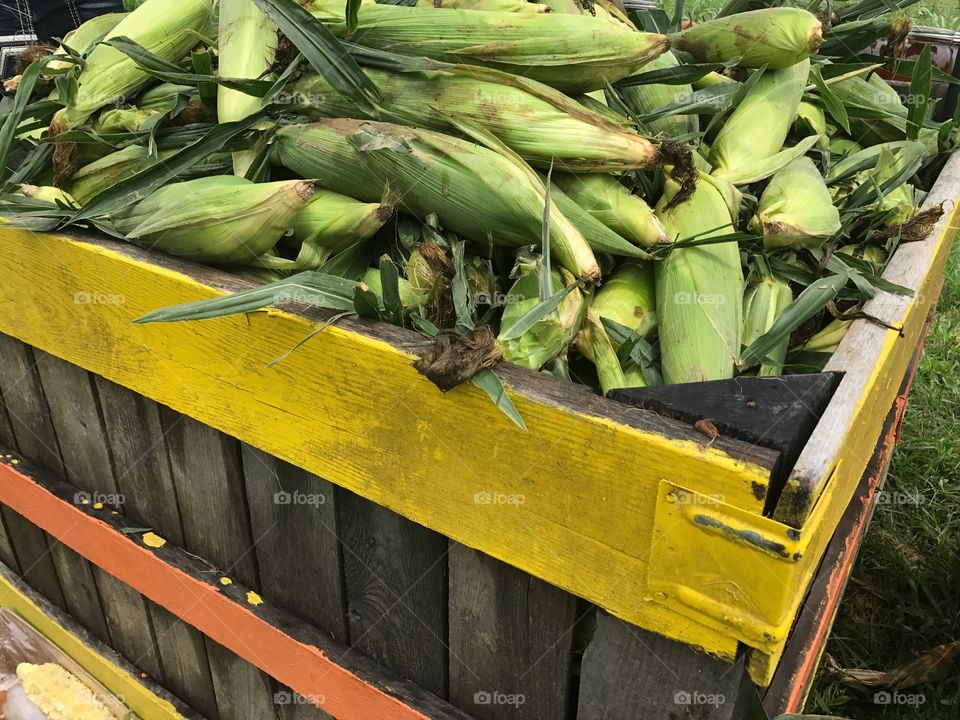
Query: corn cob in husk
(571, 53)
(474, 191)
(614, 206)
(331, 222)
(49, 194)
(85, 37)
(602, 352)
(410, 297)
(221, 220)
(699, 290)
(765, 298)
(776, 37)
(535, 121)
(828, 339)
(167, 28)
(749, 144)
(599, 237)
(247, 46)
(550, 336)
(517, 6)
(796, 209)
(642, 99)
(121, 120)
(811, 120)
(627, 297)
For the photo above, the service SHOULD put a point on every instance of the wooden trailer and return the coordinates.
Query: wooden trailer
(331, 536)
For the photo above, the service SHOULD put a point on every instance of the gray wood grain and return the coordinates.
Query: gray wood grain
(629, 673)
(41, 562)
(511, 640)
(296, 707)
(82, 437)
(136, 437)
(208, 476)
(7, 442)
(396, 580)
(294, 521)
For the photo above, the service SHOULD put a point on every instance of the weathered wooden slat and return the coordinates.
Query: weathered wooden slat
(396, 579)
(136, 438)
(629, 673)
(208, 476)
(7, 554)
(511, 640)
(350, 685)
(82, 438)
(293, 706)
(293, 517)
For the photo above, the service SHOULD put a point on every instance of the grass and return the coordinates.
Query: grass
(904, 597)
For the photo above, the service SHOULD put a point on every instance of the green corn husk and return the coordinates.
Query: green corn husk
(873, 254)
(49, 194)
(699, 290)
(776, 37)
(613, 205)
(83, 38)
(220, 220)
(599, 237)
(628, 297)
(164, 96)
(571, 53)
(474, 191)
(535, 121)
(642, 99)
(844, 146)
(331, 223)
(515, 6)
(121, 120)
(889, 159)
(551, 335)
(260, 276)
(796, 209)
(602, 352)
(410, 297)
(756, 129)
(167, 28)
(765, 298)
(710, 80)
(828, 339)
(811, 120)
(247, 46)
(728, 191)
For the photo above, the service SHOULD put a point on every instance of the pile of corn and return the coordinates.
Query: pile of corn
(607, 198)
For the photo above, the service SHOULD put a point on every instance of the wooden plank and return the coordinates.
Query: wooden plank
(147, 699)
(81, 436)
(351, 686)
(7, 442)
(874, 360)
(396, 579)
(511, 640)
(293, 706)
(208, 476)
(136, 437)
(293, 516)
(629, 673)
(419, 452)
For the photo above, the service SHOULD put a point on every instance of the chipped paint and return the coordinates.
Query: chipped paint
(226, 581)
(253, 598)
(751, 537)
(153, 540)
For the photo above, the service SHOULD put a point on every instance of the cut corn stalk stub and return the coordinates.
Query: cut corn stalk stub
(777, 37)
(571, 53)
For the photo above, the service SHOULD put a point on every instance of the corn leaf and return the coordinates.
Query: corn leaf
(323, 51)
(138, 186)
(311, 288)
(390, 282)
(352, 15)
(463, 304)
(544, 278)
(919, 98)
(833, 105)
(807, 304)
(679, 75)
(21, 100)
(537, 313)
(488, 381)
(710, 101)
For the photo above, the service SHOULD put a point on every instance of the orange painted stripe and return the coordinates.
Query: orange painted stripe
(303, 667)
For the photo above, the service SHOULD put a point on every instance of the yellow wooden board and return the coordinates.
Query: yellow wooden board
(121, 683)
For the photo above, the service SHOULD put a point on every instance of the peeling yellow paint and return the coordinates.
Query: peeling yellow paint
(153, 540)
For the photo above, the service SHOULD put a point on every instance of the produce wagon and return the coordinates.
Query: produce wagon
(333, 536)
